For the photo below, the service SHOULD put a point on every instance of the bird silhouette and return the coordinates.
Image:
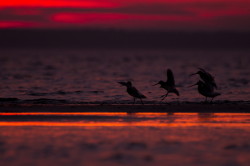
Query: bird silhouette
(133, 91)
(206, 90)
(206, 77)
(169, 85)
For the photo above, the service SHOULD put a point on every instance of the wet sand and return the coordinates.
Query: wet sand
(126, 139)
(125, 134)
(236, 107)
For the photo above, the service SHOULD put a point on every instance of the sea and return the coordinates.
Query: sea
(62, 76)
(119, 139)
(91, 76)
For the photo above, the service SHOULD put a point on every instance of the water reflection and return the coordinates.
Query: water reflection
(204, 117)
(124, 119)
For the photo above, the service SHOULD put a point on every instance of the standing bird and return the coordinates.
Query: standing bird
(169, 85)
(206, 90)
(133, 91)
(206, 77)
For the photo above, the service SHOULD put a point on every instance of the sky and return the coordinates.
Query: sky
(184, 15)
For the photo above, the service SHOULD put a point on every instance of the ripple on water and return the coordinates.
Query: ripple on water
(93, 75)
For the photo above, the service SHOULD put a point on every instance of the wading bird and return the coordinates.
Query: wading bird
(206, 77)
(133, 91)
(169, 85)
(206, 90)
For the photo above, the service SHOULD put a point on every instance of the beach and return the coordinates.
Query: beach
(45, 105)
(66, 107)
(125, 135)
(124, 83)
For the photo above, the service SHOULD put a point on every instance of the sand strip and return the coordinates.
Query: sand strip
(188, 107)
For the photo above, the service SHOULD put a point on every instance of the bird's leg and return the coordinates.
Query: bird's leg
(164, 96)
(212, 100)
(134, 100)
(205, 100)
(141, 101)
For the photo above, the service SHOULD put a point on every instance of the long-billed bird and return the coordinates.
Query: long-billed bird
(169, 85)
(133, 91)
(206, 77)
(206, 90)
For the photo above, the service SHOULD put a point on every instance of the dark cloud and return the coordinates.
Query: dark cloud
(21, 14)
(240, 22)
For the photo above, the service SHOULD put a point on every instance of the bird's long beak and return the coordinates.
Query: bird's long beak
(192, 85)
(155, 84)
(122, 83)
(193, 74)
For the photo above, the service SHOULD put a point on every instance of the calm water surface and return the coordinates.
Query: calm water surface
(91, 76)
(105, 119)
(124, 139)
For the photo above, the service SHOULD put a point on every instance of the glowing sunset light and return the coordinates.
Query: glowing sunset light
(87, 18)
(116, 19)
(11, 24)
(160, 14)
(57, 3)
(121, 124)
(92, 119)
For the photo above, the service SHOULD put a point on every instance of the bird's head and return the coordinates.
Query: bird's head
(127, 84)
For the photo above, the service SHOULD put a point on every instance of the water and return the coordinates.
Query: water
(124, 139)
(107, 119)
(91, 76)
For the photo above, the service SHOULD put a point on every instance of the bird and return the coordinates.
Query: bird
(206, 90)
(206, 77)
(133, 91)
(169, 85)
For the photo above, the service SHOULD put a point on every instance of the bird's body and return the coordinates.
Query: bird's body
(132, 91)
(169, 85)
(206, 90)
(206, 77)
(207, 85)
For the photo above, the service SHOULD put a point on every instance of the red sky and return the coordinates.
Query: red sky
(211, 15)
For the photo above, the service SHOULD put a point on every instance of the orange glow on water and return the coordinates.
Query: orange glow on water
(71, 113)
(135, 119)
(121, 124)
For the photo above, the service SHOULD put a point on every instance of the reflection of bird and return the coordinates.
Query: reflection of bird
(206, 77)
(133, 91)
(169, 85)
(206, 90)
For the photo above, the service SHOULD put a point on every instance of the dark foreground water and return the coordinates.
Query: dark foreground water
(220, 139)
(91, 76)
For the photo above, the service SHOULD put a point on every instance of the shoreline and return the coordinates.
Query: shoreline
(129, 108)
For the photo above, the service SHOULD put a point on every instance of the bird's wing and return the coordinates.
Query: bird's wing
(170, 78)
(134, 92)
(201, 69)
(208, 75)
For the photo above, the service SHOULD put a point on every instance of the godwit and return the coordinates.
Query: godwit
(206, 77)
(206, 90)
(133, 91)
(169, 85)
